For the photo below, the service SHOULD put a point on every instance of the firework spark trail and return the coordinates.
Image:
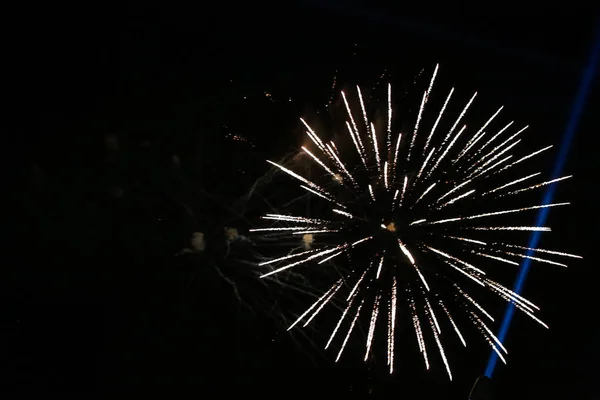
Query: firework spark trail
(424, 193)
(454, 200)
(376, 147)
(329, 297)
(436, 336)
(424, 164)
(535, 153)
(477, 172)
(539, 185)
(394, 166)
(392, 324)
(500, 132)
(437, 120)
(357, 145)
(481, 159)
(477, 136)
(372, 326)
(458, 333)
(460, 117)
(472, 160)
(403, 189)
(558, 253)
(511, 183)
(497, 258)
(293, 218)
(305, 313)
(472, 301)
(414, 135)
(349, 331)
(337, 327)
(491, 214)
(445, 152)
(364, 111)
(389, 119)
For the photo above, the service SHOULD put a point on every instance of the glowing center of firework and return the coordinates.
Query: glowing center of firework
(391, 227)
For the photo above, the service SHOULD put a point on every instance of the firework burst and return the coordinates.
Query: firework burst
(415, 224)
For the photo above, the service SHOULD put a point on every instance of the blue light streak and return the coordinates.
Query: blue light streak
(576, 111)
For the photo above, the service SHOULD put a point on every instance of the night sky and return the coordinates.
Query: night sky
(123, 145)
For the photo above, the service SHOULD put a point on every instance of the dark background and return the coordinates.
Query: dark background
(93, 300)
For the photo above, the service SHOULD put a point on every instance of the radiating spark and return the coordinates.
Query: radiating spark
(558, 253)
(361, 241)
(458, 260)
(493, 166)
(329, 199)
(476, 304)
(454, 189)
(371, 192)
(495, 149)
(490, 214)
(446, 151)
(406, 252)
(417, 222)
(288, 228)
(458, 333)
(396, 152)
(437, 326)
(425, 192)
(319, 254)
(344, 213)
(478, 135)
(337, 327)
(536, 259)
(395, 199)
(500, 132)
(287, 257)
(385, 175)
(292, 218)
(389, 119)
(343, 168)
(441, 350)
(301, 317)
(327, 299)
(512, 228)
(330, 257)
(393, 306)
(315, 231)
(535, 153)
(376, 147)
(318, 161)
(414, 135)
(537, 186)
(437, 120)
(403, 189)
(460, 117)
(498, 259)
(300, 178)
(425, 163)
(380, 265)
(362, 107)
(359, 281)
(511, 183)
(466, 273)
(462, 196)
(356, 144)
(350, 114)
(349, 331)
(372, 326)
(467, 240)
